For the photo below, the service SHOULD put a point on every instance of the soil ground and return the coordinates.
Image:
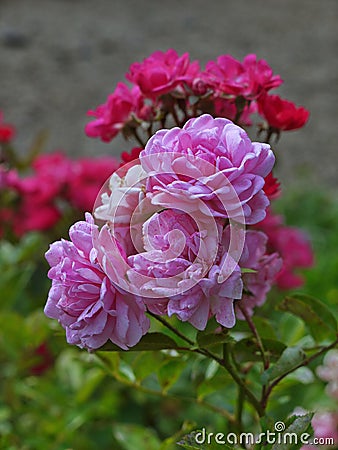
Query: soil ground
(60, 58)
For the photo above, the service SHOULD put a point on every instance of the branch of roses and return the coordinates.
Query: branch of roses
(164, 394)
(305, 362)
(226, 363)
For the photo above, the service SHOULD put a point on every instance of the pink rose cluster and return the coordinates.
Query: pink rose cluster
(169, 237)
(38, 201)
(168, 86)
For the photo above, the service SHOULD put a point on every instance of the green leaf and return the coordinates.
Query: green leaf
(207, 339)
(298, 425)
(150, 341)
(145, 364)
(131, 437)
(169, 373)
(317, 316)
(125, 372)
(248, 350)
(264, 327)
(289, 360)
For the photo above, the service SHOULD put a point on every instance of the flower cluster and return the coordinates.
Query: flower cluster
(56, 184)
(166, 85)
(172, 237)
(181, 226)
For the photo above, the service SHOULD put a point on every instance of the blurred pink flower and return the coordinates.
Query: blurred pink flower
(325, 426)
(162, 72)
(329, 372)
(211, 161)
(293, 247)
(84, 300)
(86, 179)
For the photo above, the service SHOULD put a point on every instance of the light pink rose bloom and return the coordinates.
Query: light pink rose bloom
(211, 161)
(162, 72)
(83, 299)
(184, 272)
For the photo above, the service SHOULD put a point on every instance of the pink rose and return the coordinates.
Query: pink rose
(282, 114)
(83, 299)
(113, 115)
(248, 79)
(212, 160)
(162, 72)
(180, 270)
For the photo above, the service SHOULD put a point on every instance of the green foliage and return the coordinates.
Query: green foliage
(316, 315)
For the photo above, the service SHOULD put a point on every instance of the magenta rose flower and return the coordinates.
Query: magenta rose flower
(282, 114)
(83, 299)
(162, 72)
(212, 160)
(113, 115)
(249, 79)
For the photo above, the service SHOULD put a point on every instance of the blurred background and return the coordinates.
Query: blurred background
(60, 58)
